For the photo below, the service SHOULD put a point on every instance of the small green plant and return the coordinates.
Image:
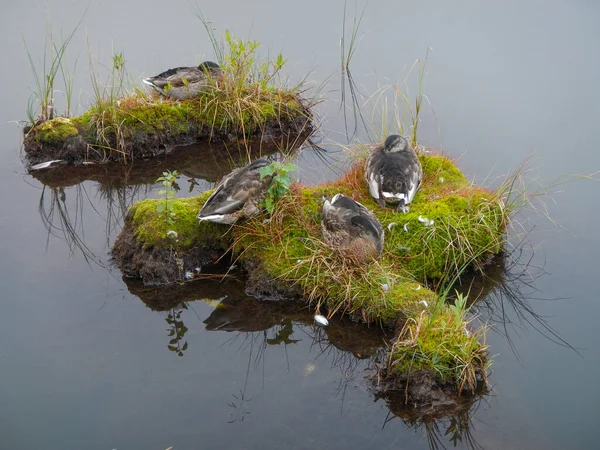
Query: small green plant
(165, 208)
(107, 96)
(245, 70)
(280, 183)
(243, 65)
(459, 308)
(106, 115)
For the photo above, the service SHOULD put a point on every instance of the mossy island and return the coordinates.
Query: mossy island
(245, 104)
(405, 291)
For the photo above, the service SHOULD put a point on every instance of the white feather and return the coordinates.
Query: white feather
(217, 218)
(321, 320)
(150, 83)
(412, 189)
(373, 187)
(399, 196)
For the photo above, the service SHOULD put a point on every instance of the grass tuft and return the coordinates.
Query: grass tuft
(444, 344)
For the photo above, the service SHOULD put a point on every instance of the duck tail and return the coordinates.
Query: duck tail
(150, 82)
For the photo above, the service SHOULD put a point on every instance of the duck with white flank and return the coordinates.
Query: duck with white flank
(394, 173)
(237, 195)
(352, 229)
(185, 82)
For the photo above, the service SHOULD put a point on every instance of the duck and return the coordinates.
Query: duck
(185, 82)
(394, 173)
(237, 195)
(351, 229)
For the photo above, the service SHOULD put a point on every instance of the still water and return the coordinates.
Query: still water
(85, 357)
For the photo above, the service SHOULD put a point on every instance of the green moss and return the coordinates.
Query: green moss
(151, 228)
(439, 169)
(465, 230)
(55, 131)
(154, 117)
(375, 293)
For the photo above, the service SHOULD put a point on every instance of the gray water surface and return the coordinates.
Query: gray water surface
(85, 363)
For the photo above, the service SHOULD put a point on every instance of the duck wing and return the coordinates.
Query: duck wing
(400, 176)
(338, 213)
(362, 224)
(344, 212)
(349, 220)
(373, 174)
(175, 77)
(235, 190)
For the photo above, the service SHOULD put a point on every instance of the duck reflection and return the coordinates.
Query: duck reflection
(234, 311)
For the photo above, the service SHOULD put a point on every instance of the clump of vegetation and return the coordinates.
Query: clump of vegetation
(56, 130)
(441, 341)
(41, 105)
(166, 207)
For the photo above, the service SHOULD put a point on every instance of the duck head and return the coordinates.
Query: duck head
(395, 143)
(209, 67)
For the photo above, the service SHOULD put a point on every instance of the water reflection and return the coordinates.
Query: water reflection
(504, 292)
(63, 221)
(65, 194)
(352, 348)
(62, 211)
(177, 330)
(444, 424)
(198, 161)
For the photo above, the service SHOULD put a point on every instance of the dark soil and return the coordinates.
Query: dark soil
(160, 265)
(259, 285)
(421, 392)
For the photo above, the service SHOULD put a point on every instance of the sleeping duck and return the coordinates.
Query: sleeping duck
(352, 229)
(185, 82)
(394, 173)
(237, 195)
